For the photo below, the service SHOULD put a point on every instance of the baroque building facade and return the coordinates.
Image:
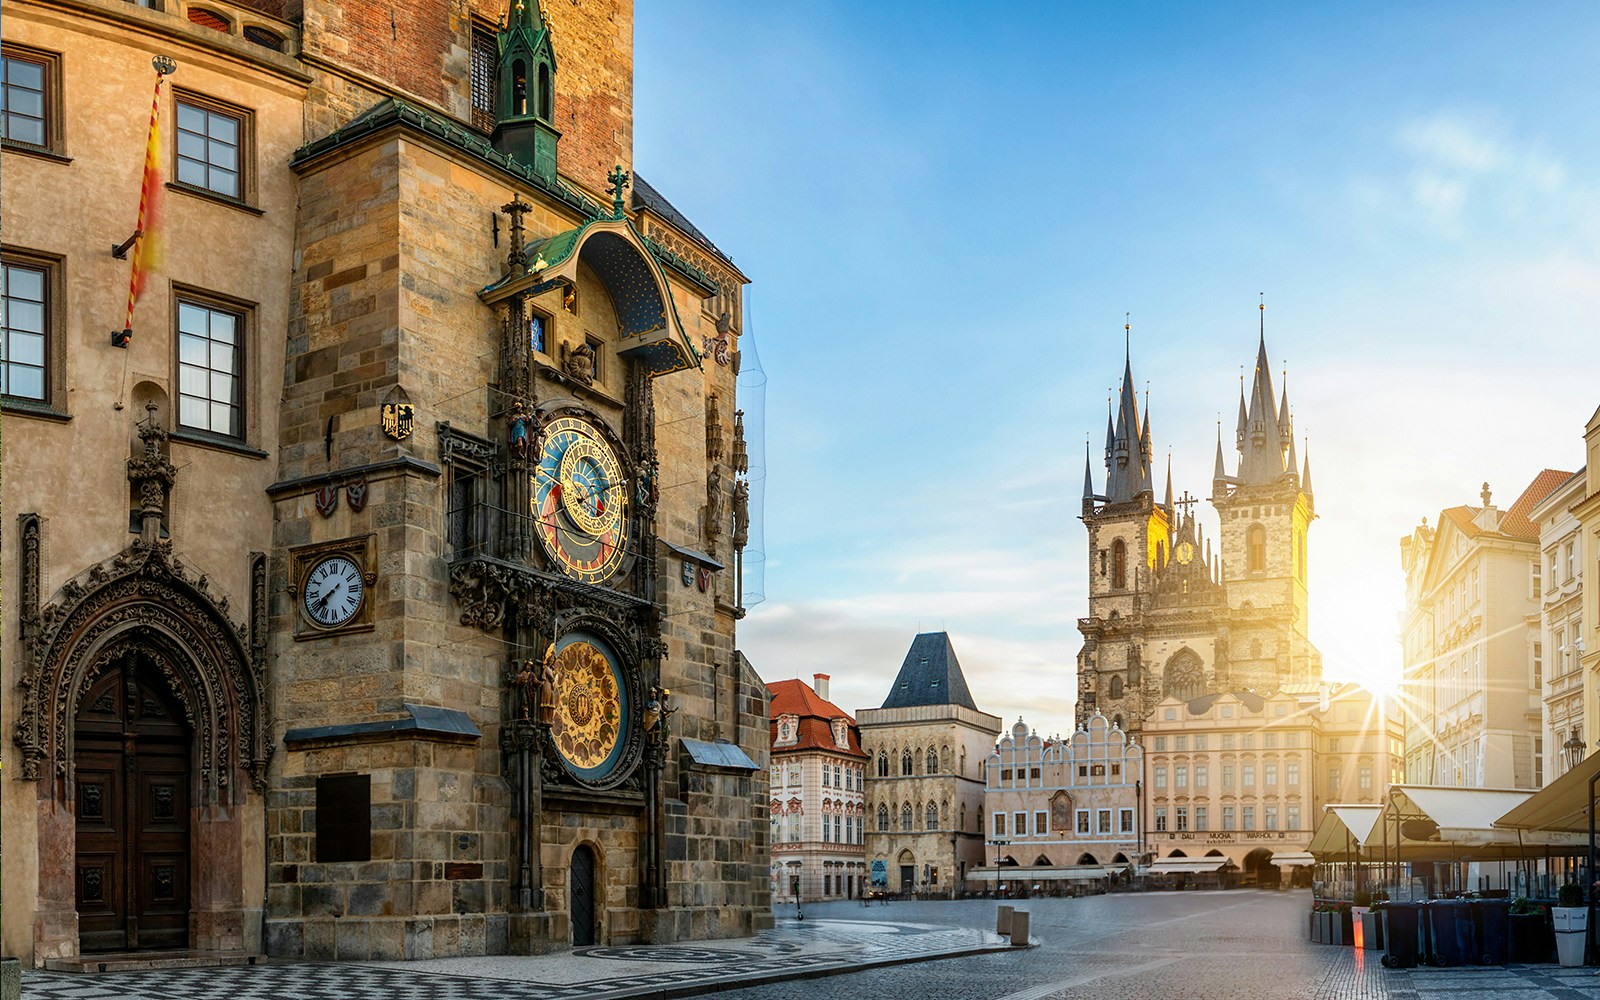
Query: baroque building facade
(1170, 614)
(1469, 638)
(1587, 511)
(1557, 647)
(1243, 777)
(817, 781)
(395, 554)
(926, 745)
(1064, 810)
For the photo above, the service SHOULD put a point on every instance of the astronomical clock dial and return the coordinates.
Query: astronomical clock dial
(333, 592)
(580, 500)
(592, 708)
(1184, 553)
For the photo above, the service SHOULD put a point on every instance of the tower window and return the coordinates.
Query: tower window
(1116, 686)
(545, 99)
(519, 88)
(1119, 565)
(484, 56)
(1257, 542)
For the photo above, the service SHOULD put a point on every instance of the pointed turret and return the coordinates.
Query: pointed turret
(1305, 475)
(1262, 453)
(1292, 466)
(525, 81)
(1167, 503)
(1219, 473)
(1145, 450)
(1088, 476)
(1128, 472)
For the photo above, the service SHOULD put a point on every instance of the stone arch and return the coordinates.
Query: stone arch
(1184, 676)
(1041, 862)
(933, 761)
(1087, 859)
(144, 599)
(1116, 685)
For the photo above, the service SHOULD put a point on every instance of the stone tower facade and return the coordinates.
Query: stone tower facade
(1169, 614)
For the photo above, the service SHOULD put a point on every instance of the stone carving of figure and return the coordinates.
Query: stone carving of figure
(578, 363)
(517, 430)
(741, 513)
(547, 685)
(526, 682)
(714, 503)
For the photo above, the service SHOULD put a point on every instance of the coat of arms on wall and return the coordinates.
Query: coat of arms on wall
(399, 419)
(356, 494)
(327, 499)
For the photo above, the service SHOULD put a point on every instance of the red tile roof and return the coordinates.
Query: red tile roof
(796, 697)
(1514, 521)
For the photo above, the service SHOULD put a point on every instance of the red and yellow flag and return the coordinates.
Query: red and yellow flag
(146, 249)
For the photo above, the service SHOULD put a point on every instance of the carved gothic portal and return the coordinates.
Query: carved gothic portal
(181, 876)
(133, 785)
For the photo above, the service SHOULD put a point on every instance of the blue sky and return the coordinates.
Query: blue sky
(946, 209)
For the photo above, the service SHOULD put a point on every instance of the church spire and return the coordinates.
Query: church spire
(1305, 476)
(1128, 471)
(1263, 446)
(1088, 476)
(1167, 503)
(1219, 473)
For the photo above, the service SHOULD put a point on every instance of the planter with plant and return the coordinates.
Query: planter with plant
(1528, 927)
(1369, 921)
(1571, 919)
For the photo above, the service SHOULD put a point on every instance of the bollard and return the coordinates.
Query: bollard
(1002, 919)
(1019, 929)
(10, 979)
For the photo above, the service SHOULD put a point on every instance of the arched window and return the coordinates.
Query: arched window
(931, 816)
(883, 764)
(1257, 543)
(1119, 565)
(944, 757)
(519, 88)
(1041, 861)
(905, 762)
(944, 812)
(883, 819)
(963, 762)
(905, 818)
(1116, 685)
(1185, 676)
(545, 99)
(933, 761)
(1117, 720)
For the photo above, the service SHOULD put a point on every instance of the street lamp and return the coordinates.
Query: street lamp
(1573, 750)
(998, 885)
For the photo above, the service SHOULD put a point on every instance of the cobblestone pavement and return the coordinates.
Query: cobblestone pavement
(816, 946)
(1239, 945)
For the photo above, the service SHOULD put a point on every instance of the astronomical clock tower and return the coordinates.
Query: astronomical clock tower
(511, 504)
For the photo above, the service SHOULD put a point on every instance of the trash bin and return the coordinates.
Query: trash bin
(1452, 935)
(1532, 940)
(1401, 942)
(1493, 918)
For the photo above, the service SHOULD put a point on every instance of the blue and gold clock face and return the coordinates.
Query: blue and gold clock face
(580, 500)
(592, 706)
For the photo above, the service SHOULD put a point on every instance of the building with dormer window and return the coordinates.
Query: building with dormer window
(817, 779)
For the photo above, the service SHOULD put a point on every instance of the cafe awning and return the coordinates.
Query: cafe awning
(1186, 866)
(1067, 873)
(1343, 831)
(1561, 806)
(1292, 859)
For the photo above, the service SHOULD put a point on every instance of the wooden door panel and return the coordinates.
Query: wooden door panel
(132, 795)
(101, 875)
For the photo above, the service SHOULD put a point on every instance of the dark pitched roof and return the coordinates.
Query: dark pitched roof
(930, 675)
(647, 197)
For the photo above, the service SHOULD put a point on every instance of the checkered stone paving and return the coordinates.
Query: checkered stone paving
(796, 949)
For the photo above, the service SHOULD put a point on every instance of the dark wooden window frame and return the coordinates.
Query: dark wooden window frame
(53, 405)
(50, 62)
(245, 311)
(246, 119)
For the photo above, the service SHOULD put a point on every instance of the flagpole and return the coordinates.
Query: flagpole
(163, 65)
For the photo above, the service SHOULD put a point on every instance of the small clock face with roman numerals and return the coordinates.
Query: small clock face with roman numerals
(333, 592)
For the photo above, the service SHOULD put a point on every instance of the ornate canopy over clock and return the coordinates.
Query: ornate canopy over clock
(591, 728)
(580, 500)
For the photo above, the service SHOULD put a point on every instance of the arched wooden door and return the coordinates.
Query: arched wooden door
(132, 780)
(583, 893)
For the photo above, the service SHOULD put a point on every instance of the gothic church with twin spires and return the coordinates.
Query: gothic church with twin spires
(1173, 611)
